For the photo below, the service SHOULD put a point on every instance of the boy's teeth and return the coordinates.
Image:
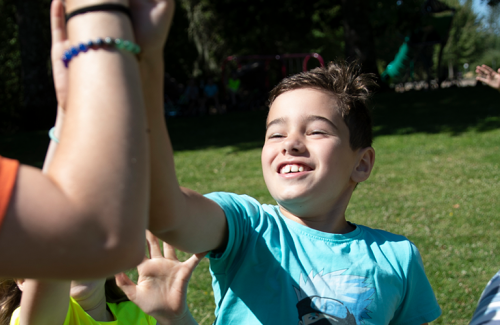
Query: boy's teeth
(292, 169)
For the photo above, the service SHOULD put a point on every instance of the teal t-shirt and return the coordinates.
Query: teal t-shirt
(276, 271)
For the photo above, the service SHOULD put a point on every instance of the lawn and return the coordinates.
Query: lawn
(435, 181)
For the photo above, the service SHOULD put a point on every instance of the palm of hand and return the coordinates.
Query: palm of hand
(161, 289)
(488, 76)
(162, 285)
(493, 80)
(152, 20)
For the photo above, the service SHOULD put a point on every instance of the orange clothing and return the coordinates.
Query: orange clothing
(8, 173)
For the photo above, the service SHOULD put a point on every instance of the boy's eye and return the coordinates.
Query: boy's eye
(317, 132)
(275, 135)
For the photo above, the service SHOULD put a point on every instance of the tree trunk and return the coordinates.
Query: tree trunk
(38, 91)
(359, 42)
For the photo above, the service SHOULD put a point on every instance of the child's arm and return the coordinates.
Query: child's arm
(161, 289)
(182, 217)
(91, 206)
(488, 76)
(44, 302)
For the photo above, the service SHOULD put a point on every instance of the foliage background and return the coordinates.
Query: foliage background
(204, 32)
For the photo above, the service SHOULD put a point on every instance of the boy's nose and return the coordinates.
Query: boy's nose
(293, 145)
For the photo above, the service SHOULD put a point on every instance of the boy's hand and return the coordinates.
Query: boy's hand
(152, 20)
(488, 76)
(161, 289)
(60, 43)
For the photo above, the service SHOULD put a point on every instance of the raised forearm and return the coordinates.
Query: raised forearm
(178, 216)
(92, 204)
(166, 198)
(103, 146)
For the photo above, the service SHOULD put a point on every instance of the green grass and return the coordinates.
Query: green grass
(435, 181)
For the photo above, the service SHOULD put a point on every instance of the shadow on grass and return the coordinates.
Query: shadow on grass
(451, 110)
(240, 130)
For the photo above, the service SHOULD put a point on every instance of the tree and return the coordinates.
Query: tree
(466, 41)
(359, 40)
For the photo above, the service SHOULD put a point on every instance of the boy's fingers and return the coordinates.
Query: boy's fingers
(154, 245)
(57, 21)
(169, 251)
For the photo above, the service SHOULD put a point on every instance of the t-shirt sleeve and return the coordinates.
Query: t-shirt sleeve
(419, 304)
(243, 216)
(8, 174)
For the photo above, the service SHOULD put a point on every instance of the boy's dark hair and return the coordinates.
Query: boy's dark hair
(352, 90)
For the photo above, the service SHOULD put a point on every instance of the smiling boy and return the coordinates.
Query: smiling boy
(280, 264)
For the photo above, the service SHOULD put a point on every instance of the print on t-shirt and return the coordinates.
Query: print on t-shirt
(333, 298)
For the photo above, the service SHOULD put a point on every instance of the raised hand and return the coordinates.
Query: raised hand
(152, 20)
(488, 76)
(161, 289)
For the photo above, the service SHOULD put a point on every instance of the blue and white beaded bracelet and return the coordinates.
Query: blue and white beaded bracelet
(109, 42)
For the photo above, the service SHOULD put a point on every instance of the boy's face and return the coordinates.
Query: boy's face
(307, 161)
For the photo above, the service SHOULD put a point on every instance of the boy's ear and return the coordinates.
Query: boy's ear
(364, 165)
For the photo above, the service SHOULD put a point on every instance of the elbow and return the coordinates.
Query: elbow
(113, 248)
(124, 251)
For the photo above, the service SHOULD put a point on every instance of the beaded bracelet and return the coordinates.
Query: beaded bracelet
(52, 135)
(107, 42)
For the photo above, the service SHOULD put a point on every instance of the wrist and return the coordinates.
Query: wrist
(152, 70)
(184, 319)
(151, 61)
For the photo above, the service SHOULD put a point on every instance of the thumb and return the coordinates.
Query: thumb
(126, 285)
(57, 22)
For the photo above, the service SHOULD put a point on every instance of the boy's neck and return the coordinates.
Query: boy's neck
(327, 223)
(322, 217)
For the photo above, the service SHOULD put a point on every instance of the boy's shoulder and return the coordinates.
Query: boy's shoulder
(383, 235)
(394, 246)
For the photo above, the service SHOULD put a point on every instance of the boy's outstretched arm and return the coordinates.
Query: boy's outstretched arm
(179, 216)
